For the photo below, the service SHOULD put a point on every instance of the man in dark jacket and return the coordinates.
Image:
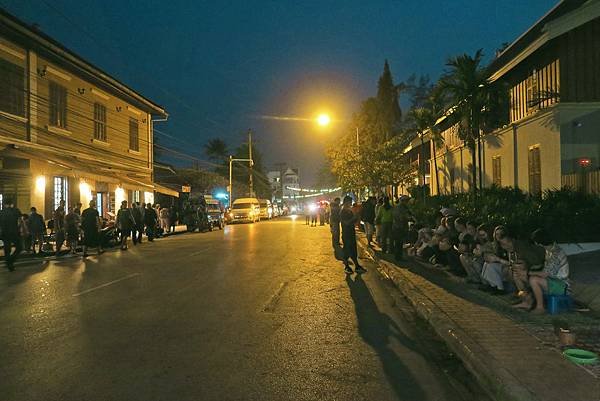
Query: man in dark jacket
(9, 232)
(334, 225)
(150, 219)
(37, 228)
(348, 222)
(368, 217)
(138, 216)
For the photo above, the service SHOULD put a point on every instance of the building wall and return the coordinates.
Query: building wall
(30, 179)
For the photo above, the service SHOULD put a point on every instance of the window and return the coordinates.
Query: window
(134, 139)
(58, 105)
(535, 171)
(1, 201)
(12, 88)
(61, 191)
(100, 122)
(497, 171)
(134, 196)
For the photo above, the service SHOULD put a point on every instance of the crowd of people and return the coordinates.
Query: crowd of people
(494, 259)
(80, 229)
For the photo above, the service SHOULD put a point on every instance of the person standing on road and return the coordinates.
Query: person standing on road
(173, 217)
(125, 223)
(164, 219)
(385, 218)
(334, 226)
(348, 221)
(37, 228)
(368, 217)
(72, 223)
(401, 216)
(59, 226)
(9, 232)
(90, 224)
(150, 218)
(138, 228)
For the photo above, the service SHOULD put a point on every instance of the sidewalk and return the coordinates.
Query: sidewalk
(504, 354)
(180, 229)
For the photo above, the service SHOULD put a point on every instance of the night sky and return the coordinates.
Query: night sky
(218, 66)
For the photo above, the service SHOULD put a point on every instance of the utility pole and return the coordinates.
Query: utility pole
(231, 160)
(250, 182)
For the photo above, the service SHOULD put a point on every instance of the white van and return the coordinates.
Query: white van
(245, 209)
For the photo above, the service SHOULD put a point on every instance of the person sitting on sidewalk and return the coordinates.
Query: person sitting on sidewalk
(523, 258)
(466, 246)
(554, 278)
(447, 256)
(495, 268)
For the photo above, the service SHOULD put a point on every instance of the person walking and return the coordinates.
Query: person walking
(150, 218)
(368, 217)
(334, 226)
(401, 216)
(59, 226)
(138, 228)
(377, 221)
(37, 228)
(90, 224)
(9, 233)
(72, 226)
(385, 217)
(125, 223)
(173, 217)
(348, 223)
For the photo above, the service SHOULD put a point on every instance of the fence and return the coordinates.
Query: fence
(587, 181)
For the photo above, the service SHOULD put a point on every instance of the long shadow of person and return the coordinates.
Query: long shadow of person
(376, 329)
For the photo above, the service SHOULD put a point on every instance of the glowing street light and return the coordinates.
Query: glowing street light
(323, 120)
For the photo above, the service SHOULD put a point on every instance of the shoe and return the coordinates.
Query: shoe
(360, 269)
(348, 270)
(11, 267)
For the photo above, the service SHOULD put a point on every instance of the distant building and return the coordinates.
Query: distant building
(291, 179)
(551, 134)
(275, 182)
(68, 130)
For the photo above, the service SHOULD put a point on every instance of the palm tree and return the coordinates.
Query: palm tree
(465, 83)
(216, 150)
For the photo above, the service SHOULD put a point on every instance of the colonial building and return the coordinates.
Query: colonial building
(68, 130)
(290, 179)
(551, 136)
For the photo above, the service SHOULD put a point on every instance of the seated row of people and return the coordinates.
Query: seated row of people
(496, 259)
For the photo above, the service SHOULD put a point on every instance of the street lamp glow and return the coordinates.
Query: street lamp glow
(323, 120)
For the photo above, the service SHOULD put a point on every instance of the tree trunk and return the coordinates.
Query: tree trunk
(473, 167)
(479, 157)
(422, 166)
(435, 166)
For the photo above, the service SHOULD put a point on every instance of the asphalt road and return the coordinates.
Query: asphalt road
(255, 312)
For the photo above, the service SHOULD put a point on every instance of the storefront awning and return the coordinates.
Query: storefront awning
(165, 191)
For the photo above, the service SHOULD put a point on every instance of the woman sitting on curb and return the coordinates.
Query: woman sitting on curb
(554, 278)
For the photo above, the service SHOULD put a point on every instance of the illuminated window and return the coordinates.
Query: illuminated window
(58, 105)
(134, 138)
(61, 191)
(1, 201)
(12, 88)
(100, 122)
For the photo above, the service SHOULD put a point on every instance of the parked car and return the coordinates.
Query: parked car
(266, 209)
(245, 210)
(216, 215)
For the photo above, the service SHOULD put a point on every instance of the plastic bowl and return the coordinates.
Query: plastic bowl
(580, 356)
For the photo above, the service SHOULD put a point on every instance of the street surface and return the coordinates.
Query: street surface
(255, 312)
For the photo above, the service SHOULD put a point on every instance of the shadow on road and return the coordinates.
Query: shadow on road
(377, 328)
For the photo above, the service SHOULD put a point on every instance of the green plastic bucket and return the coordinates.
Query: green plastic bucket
(580, 356)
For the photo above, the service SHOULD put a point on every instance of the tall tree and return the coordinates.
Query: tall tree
(390, 114)
(465, 83)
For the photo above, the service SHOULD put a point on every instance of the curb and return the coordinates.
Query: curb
(495, 380)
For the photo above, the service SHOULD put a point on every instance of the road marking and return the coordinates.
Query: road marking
(106, 284)
(199, 252)
(270, 306)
